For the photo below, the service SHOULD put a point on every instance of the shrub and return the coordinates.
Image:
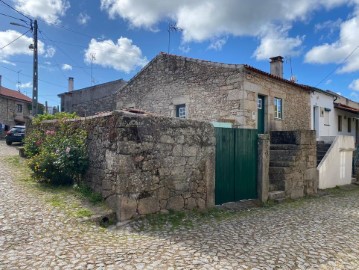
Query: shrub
(57, 156)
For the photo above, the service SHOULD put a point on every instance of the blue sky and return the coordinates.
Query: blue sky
(114, 39)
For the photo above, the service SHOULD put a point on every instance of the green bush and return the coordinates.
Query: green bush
(57, 156)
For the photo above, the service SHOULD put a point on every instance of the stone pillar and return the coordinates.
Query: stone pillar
(263, 167)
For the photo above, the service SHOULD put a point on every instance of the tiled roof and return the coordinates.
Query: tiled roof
(13, 94)
(345, 108)
(302, 86)
(237, 66)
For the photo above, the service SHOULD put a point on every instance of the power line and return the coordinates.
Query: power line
(58, 65)
(61, 50)
(15, 39)
(15, 18)
(15, 10)
(330, 73)
(50, 83)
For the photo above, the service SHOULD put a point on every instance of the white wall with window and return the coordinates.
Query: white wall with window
(328, 121)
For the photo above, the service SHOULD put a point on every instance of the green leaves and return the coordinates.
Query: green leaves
(58, 156)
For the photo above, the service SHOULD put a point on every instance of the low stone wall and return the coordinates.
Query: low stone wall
(144, 164)
(298, 175)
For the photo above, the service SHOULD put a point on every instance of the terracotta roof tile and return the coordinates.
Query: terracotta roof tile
(345, 108)
(13, 94)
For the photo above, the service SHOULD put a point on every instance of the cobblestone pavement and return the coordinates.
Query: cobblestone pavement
(321, 233)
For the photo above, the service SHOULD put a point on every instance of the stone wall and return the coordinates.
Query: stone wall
(91, 100)
(145, 164)
(215, 92)
(9, 114)
(293, 163)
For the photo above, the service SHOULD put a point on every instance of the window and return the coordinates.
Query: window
(326, 118)
(339, 123)
(260, 105)
(19, 108)
(349, 124)
(278, 110)
(181, 111)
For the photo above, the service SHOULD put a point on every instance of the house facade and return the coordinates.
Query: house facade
(224, 94)
(14, 107)
(333, 115)
(90, 100)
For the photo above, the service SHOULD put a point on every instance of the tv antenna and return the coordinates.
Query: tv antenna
(93, 58)
(18, 80)
(172, 28)
(293, 78)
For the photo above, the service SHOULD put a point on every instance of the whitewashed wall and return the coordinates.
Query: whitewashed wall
(320, 101)
(336, 167)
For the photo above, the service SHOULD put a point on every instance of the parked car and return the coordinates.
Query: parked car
(15, 134)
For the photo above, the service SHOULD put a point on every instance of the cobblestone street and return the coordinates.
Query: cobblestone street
(319, 233)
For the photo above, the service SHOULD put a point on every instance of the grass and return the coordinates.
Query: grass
(181, 219)
(76, 201)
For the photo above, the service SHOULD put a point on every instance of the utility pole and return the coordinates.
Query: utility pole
(35, 70)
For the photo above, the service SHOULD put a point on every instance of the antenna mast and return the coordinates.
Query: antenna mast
(172, 28)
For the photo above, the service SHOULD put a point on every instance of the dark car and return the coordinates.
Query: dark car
(15, 134)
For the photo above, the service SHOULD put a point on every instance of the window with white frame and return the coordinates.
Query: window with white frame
(19, 108)
(181, 111)
(326, 116)
(278, 108)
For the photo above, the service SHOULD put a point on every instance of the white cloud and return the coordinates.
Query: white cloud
(343, 51)
(354, 96)
(66, 67)
(50, 52)
(276, 42)
(24, 85)
(217, 44)
(354, 85)
(48, 10)
(331, 26)
(205, 19)
(20, 46)
(8, 62)
(122, 56)
(184, 48)
(328, 82)
(83, 18)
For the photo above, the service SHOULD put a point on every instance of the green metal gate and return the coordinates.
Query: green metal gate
(236, 164)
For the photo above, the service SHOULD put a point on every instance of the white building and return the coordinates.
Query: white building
(335, 120)
(332, 115)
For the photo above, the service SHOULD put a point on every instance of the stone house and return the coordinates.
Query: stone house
(90, 100)
(14, 107)
(225, 94)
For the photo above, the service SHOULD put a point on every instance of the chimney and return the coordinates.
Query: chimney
(276, 66)
(71, 84)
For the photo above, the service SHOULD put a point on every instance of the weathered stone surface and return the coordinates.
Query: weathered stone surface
(215, 92)
(148, 205)
(126, 207)
(296, 151)
(175, 203)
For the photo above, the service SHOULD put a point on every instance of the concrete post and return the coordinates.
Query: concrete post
(263, 167)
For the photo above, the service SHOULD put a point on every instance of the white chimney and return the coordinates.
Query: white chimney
(276, 66)
(71, 84)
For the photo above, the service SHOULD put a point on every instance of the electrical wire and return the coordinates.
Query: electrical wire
(15, 18)
(14, 40)
(14, 9)
(345, 59)
(30, 76)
